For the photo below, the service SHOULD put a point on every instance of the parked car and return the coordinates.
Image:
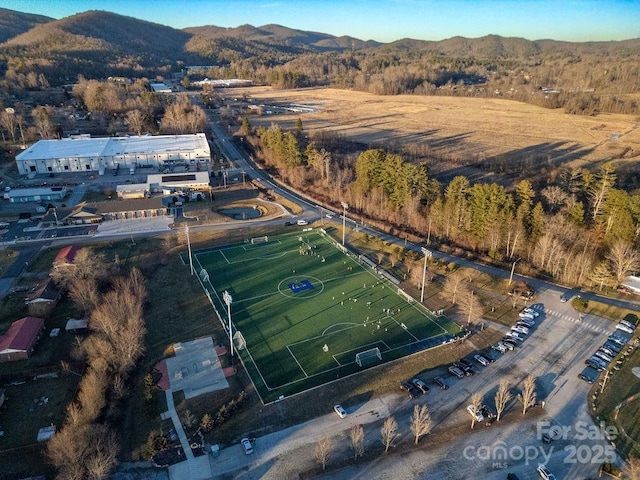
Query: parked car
(612, 346)
(406, 386)
(481, 360)
(510, 342)
(526, 315)
(632, 326)
(465, 367)
(302, 222)
(456, 372)
(340, 411)
(514, 335)
(625, 328)
(603, 356)
(487, 412)
(519, 329)
(530, 310)
(414, 392)
(529, 322)
(420, 385)
(499, 347)
(441, 383)
(563, 299)
(507, 345)
(512, 476)
(247, 446)
(544, 473)
(475, 413)
(595, 363)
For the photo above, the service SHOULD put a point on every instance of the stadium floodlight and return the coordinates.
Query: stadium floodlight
(226, 296)
(186, 230)
(427, 254)
(344, 219)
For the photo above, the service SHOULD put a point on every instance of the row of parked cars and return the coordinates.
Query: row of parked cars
(518, 332)
(602, 358)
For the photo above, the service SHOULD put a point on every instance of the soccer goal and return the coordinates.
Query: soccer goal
(404, 294)
(368, 357)
(239, 341)
(255, 240)
(204, 275)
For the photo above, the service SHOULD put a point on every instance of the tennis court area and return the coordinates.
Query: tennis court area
(302, 309)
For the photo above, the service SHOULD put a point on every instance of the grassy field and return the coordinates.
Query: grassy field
(305, 309)
(482, 129)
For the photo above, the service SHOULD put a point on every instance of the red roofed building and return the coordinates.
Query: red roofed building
(21, 338)
(65, 256)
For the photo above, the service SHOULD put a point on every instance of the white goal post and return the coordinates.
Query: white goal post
(239, 341)
(368, 357)
(204, 275)
(259, 239)
(404, 294)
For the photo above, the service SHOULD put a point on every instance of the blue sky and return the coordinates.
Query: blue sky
(381, 20)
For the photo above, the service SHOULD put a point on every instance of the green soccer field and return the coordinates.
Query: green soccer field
(305, 309)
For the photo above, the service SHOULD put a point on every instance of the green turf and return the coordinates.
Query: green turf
(350, 308)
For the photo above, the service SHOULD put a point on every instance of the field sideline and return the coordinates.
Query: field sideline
(305, 308)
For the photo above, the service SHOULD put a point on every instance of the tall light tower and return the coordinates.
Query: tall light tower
(427, 254)
(226, 296)
(186, 230)
(344, 219)
(513, 267)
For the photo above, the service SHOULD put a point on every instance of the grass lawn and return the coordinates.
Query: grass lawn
(305, 309)
(622, 385)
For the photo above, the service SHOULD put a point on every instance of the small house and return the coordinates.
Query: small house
(21, 338)
(45, 297)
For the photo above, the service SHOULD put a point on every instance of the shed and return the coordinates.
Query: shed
(21, 338)
(74, 324)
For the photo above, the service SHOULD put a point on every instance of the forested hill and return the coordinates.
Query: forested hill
(585, 78)
(14, 23)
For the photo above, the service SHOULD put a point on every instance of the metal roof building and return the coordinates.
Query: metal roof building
(98, 154)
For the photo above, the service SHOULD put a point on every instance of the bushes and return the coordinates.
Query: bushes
(226, 411)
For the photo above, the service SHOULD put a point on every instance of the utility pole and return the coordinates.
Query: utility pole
(513, 267)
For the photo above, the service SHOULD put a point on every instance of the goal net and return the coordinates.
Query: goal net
(260, 239)
(404, 294)
(368, 357)
(238, 340)
(204, 275)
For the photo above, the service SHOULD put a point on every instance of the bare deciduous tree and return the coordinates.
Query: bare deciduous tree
(470, 305)
(356, 436)
(188, 418)
(631, 469)
(624, 259)
(502, 397)
(136, 121)
(476, 403)
(421, 422)
(84, 294)
(322, 452)
(389, 433)
(528, 394)
(452, 284)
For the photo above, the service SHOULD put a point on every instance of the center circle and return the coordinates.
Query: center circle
(285, 289)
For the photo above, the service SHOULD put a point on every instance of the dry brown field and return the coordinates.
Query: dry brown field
(465, 130)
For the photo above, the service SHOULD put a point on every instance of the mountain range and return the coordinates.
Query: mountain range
(100, 43)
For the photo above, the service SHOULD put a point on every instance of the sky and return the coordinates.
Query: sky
(380, 20)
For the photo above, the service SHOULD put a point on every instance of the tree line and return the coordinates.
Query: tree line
(87, 445)
(577, 228)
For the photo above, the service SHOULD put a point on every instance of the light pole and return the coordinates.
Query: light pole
(226, 296)
(427, 254)
(513, 267)
(344, 219)
(186, 230)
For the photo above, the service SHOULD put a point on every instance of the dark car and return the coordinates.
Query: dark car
(465, 363)
(288, 224)
(487, 412)
(414, 392)
(441, 383)
(468, 371)
(406, 386)
(512, 476)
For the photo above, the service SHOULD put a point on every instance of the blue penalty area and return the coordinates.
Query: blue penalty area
(297, 287)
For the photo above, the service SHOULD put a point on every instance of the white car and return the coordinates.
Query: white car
(514, 335)
(533, 312)
(526, 315)
(522, 330)
(247, 446)
(544, 473)
(475, 414)
(625, 328)
(481, 360)
(340, 411)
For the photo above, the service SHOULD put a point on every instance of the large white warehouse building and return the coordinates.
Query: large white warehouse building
(98, 154)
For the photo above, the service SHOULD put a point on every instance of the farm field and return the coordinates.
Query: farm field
(464, 129)
(304, 309)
